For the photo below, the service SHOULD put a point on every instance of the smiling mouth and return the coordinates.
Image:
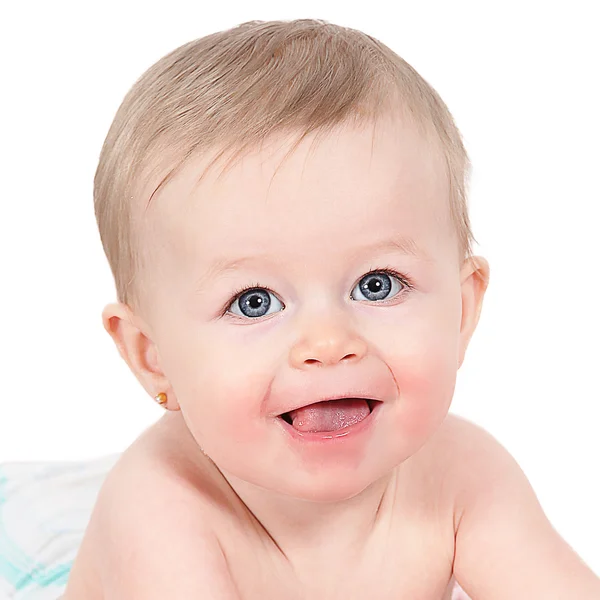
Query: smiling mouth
(330, 415)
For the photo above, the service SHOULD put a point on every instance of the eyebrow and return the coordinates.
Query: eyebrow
(404, 245)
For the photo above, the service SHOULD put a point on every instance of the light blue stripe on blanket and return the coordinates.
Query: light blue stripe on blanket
(17, 567)
(45, 507)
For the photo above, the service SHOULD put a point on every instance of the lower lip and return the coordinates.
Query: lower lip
(331, 437)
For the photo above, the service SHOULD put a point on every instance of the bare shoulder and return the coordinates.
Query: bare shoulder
(165, 474)
(459, 458)
(500, 526)
(458, 438)
(160, 495)
(459, 434)
(479, 463)
(165, 462)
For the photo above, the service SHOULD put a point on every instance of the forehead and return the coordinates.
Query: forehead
(353, 186)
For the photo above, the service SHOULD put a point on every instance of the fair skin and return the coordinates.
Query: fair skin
(389, 513)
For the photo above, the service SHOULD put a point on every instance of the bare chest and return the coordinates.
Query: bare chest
(392, 572)
(414, 564)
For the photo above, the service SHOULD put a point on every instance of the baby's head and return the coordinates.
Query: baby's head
(330, 258)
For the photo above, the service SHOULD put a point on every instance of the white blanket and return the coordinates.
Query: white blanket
(44, 510)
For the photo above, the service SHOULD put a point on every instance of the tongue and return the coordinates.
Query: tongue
(330, 415)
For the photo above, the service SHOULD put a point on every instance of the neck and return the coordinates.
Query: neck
(295, 525)
(301, 530)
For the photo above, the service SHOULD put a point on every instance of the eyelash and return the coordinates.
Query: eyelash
(404, 280)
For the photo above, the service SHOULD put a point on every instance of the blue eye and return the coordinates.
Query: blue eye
(255, 302)
(378, 284)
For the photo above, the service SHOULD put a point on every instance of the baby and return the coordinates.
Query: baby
(301, 314)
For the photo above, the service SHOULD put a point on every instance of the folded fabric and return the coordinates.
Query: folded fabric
(44, 510)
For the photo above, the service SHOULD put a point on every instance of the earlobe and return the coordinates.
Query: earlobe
(475, 276)
(131, 337)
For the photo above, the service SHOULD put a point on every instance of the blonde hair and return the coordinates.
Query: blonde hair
(235, 88)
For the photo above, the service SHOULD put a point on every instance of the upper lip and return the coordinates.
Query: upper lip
(336, 397)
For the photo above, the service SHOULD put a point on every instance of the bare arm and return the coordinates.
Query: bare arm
(505, 545)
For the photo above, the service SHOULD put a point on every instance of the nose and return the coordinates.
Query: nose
(327, 344)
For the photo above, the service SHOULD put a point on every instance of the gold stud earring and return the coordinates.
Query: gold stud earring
(161, 398)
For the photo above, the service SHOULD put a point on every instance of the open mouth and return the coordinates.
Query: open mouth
(330, 415)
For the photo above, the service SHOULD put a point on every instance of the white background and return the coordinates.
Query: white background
(521, 79)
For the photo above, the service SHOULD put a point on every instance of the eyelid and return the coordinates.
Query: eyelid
(238, 292)
(406, 281)
(403, 277)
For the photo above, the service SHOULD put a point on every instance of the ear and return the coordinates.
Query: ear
(130, 335)
(474, 279)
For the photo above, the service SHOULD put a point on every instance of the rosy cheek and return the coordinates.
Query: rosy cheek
(243, 428)
(426, 391)
(418, 419)
(237, 420)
